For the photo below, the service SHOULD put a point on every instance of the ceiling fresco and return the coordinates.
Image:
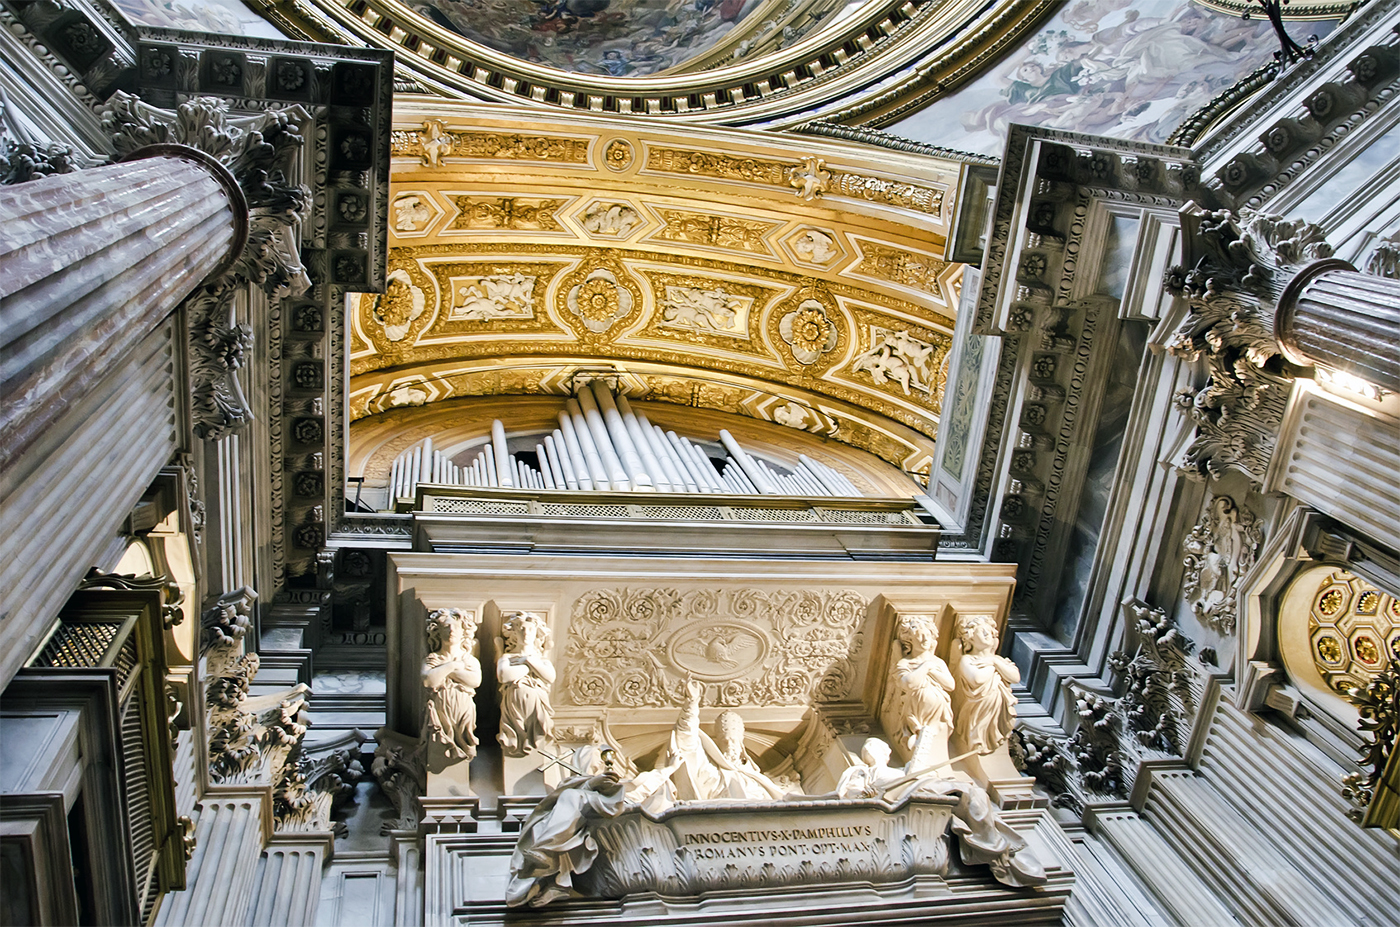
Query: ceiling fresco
(795, 281)
(620, 38)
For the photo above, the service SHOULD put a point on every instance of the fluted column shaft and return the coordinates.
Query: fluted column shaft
(90, 262)
(1332, 315)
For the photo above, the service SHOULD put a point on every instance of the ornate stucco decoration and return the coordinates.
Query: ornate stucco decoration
(629, 647)
(260, 153)
(1219, 551)
(898, 357)
(1374, 791)
(1236, 268)
(250, 739)
(748, 76)
(809, 331)
(1151, 719)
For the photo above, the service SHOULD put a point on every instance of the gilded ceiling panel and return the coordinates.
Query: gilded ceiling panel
(793, 280)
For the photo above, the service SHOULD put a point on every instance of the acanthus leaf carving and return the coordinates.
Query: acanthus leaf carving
(400, 767)
(1236, 267)
(311, 786)
(1152, 718)
(260, 153)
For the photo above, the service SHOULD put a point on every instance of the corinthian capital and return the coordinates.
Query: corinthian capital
(255, 158)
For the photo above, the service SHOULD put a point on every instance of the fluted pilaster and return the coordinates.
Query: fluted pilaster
(90, 262)
(1332, 315)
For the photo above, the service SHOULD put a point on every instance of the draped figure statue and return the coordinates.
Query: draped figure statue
(525, 675)
(986, 706)
(983, 836)
(918, 701)
(451, 674)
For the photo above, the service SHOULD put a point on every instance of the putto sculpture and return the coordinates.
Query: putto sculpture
(984, 704)
(525, 675)
(451, 674)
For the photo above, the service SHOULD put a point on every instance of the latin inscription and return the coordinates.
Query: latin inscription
(791, 844)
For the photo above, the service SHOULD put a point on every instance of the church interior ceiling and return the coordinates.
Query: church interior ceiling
(709, 61)
(797, 282)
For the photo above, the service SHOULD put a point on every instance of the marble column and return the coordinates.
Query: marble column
(1333, 316)
(91, 261)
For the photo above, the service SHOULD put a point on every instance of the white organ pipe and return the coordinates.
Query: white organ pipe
(693, 483)
(810, 466)
(602, 444)
(559, 458)
(556, 469)
(685, 459)
(414, 468)
(632, 430)
(504, 471)
(616, 431)
(491, 478)
(545, 471)
(394, 480)
(739, 478)
(675, 474)
(746, 464)
(589, 470)
(713, 475)
(813, 487)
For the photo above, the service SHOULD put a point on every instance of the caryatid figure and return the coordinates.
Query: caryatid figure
(525, 674)
(985, 705)
(918, 700)
(451, 674)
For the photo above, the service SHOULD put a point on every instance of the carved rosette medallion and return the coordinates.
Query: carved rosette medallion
(618, 155)
(599, 295)
(809, 331)
(633, 647)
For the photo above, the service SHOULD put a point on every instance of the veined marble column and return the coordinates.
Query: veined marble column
(1332, 315)
(91, 261)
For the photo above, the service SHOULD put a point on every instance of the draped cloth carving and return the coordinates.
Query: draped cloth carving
(451, 673)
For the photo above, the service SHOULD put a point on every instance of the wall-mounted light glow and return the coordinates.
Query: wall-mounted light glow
(1350, 383)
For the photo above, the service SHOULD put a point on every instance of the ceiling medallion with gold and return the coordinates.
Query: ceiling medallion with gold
(599, 295)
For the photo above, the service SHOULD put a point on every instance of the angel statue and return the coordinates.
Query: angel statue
(525, 675)
(918, 702)
(986, 707)
(451, 674)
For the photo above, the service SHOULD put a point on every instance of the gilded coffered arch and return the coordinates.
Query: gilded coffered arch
(787, 280)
